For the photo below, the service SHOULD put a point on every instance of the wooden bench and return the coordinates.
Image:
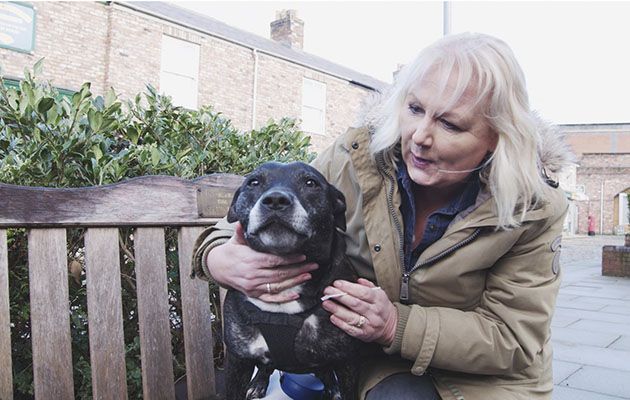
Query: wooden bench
(148, 204)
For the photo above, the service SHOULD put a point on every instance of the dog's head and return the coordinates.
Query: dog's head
(286, 208)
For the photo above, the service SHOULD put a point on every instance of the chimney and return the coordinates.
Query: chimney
(288, 29)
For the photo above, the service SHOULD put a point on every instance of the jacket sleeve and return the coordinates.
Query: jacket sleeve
(511, 323)
(209, 239)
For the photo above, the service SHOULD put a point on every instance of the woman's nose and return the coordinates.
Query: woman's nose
(423, 135)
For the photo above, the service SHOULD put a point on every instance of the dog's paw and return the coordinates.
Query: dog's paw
(334, 394)
(257, 390)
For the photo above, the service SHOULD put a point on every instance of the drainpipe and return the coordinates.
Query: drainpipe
(254, 91)
(601, 209)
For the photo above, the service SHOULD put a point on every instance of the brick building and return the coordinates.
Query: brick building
(196, 59)
(601, 180)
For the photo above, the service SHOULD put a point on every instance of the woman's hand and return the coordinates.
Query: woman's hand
(265, 276)
(364, 312)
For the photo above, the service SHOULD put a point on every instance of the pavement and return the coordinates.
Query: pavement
(590, 330)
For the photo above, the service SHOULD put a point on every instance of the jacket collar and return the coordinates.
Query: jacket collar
(370, 179)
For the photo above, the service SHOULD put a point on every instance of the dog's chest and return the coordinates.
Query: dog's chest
(285, 341)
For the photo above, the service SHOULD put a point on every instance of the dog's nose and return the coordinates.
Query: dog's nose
(276, 201)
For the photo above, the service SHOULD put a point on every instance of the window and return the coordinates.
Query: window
(313, 106)
(180, 71)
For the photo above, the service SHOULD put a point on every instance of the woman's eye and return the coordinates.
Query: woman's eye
(310, 183)
(450, 127)
(416, 109)
(253, 182)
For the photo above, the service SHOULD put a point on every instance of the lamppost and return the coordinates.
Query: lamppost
(446, 14)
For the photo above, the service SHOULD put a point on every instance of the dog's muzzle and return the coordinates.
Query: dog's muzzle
(279, 221)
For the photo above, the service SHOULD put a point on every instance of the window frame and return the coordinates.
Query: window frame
(309, 105)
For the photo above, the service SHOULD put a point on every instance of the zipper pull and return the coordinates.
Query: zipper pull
(404, 288)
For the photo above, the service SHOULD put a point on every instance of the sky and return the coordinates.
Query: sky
(575, 55)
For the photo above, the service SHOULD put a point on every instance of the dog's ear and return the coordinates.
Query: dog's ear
(232, 214)
(339, 207)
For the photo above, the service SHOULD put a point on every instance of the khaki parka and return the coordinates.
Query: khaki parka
(480, 300)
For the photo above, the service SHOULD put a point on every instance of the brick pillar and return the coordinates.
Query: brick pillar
(616, 259)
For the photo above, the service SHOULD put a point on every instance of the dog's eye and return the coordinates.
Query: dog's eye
(310, 183)
(253, 182)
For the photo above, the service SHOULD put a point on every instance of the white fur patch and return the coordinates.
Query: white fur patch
(313, 323)
(258, 347)
(276, 241)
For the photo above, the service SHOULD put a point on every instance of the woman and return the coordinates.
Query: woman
(451, 213)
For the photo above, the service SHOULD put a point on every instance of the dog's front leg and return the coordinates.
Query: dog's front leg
(258, 386)
(339, 382)
(238, 374)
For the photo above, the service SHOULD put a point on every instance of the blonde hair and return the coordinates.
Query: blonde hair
(513, 176)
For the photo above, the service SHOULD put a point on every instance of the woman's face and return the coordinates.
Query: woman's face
(436, 138)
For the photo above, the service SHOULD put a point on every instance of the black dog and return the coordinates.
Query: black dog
(290, 209)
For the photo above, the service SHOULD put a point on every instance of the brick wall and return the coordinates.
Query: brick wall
(599, 139)
(111, 45)
(611, 170)
(72, 37)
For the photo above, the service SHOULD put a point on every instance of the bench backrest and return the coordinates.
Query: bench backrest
(148, 204)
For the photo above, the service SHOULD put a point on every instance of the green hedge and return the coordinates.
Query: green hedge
(53, 140)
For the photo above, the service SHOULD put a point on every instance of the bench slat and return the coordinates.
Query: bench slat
(148, 201)
(6, 372)
(155, 335)
(107, 344)
(197, 325)
(50, 326)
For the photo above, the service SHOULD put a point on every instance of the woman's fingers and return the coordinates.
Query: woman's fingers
(364, 311)
(286, 273)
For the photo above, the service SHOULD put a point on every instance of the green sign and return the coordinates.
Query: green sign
(17, 26)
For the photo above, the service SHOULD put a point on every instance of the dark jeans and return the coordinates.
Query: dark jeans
(404, 386)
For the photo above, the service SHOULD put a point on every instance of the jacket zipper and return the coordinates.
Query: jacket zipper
(404, 286)
(404, 282)
(380, 159)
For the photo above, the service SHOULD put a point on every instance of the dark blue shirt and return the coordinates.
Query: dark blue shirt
(438, 221)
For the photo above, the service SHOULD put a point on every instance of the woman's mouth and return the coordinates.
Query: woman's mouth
(420, 162)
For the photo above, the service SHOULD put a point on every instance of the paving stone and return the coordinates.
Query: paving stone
(601, 380)
(616, 310)
(566, 393)
(599, 315)
(566, 297)
(562, 370)
(577, 336)
(623, 343)
(586, 285)
(602, 326)
(579, 304)
(604, 302)
(561, 320)
(608, 293)
(591, 355)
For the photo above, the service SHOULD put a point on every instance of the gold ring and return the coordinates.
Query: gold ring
(360, 322)
(269, 288)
